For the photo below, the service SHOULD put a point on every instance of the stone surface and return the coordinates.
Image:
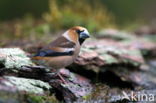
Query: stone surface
(22, 84)
(75, 86)
(13, 58)
(98, 54)
(114, 62)
(144, 43)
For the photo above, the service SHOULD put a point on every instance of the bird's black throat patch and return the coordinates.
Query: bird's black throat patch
(81, 41)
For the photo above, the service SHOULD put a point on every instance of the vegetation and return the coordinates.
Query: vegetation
(27, 28)
(67, 13)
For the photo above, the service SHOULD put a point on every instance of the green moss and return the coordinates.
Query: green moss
(109, 59)
(35, 99)
(19, 97)
(30, 98)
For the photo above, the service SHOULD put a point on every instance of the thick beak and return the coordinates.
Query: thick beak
(84, 35)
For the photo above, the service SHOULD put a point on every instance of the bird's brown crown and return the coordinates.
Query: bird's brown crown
(77, 28)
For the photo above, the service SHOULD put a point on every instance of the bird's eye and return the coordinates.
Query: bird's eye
(79, 31)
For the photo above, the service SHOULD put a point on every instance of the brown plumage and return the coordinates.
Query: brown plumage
(64, 50)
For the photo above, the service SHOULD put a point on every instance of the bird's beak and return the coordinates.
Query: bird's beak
(85, 34)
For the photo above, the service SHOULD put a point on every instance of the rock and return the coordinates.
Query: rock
(142, 96)
(20, 97)
(124, 61)
(119, 54)
(22, 84)
(144, 79)
(13, 58)
(104, 94)
(114, 34)
(75, 86)
(146, 44)
(97, 54)
(115, 57)
(16, 63)
(146, 30)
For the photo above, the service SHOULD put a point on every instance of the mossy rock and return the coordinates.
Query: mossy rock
(26, 85)
(14, 58)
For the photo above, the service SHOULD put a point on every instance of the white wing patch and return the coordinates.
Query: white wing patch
(68, 49)
(67, 36)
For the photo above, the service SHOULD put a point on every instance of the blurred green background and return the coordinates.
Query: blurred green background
(123, 10)
(26, 17)
(11, 9)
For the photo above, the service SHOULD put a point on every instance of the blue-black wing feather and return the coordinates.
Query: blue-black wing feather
(52, 53)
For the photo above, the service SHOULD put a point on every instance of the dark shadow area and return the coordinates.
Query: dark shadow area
(113, 80)
(106, 77)
(2, 65)
(82, 71)
(58, 95)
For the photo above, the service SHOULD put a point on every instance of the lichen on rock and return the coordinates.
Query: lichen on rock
(27, 85)
(13, 58)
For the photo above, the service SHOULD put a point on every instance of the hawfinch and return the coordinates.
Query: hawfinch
(64, 50)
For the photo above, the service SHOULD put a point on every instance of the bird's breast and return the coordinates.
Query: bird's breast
(77, 51)
(56, 62)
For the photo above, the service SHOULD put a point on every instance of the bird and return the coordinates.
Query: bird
(64, 50)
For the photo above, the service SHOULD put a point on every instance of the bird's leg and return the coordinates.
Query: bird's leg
(64, 81)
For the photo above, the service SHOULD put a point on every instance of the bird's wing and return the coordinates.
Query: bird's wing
(61, 42)
(59, 47)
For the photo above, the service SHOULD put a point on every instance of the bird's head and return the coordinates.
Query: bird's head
(77, 34)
